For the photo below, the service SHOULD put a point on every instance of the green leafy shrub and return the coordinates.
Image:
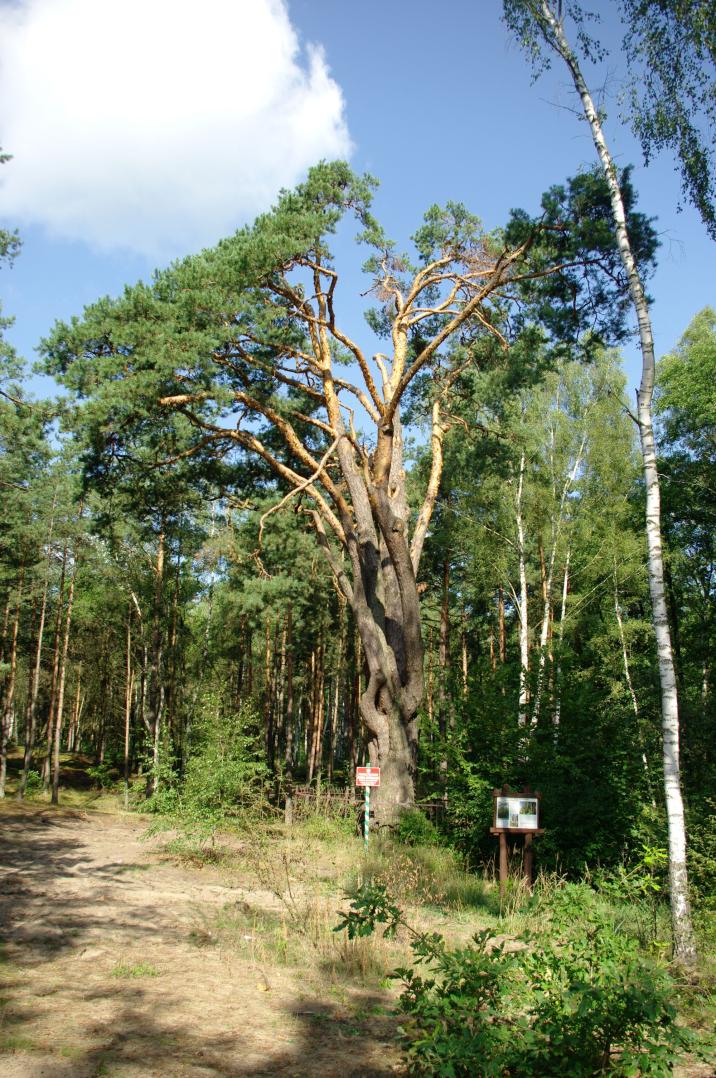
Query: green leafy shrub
(415, 829)
(33, 784)
(225, 778)
(582, 1001)
(636, 892)
(102, 775)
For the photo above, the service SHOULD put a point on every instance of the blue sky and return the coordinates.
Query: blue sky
(132, 162)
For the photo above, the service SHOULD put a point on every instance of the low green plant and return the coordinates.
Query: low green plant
(141, 969)
(33, 784)
(323, 828)
(415, 829)
(102, 775)
(579, 1001)
(429, 875)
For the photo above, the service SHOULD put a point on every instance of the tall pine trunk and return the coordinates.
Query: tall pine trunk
(61, 690)
(9, 688)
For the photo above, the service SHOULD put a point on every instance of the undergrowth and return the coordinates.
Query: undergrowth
(579, 999)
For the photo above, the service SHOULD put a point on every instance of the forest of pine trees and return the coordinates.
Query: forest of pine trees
(176, 594)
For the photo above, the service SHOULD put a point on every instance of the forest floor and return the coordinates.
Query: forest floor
(121, 960)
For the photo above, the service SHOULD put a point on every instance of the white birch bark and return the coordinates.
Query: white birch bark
(560, 640)
(557, 524)
(684, 944)
(630, 684)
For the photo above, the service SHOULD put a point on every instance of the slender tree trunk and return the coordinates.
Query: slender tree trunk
(443, 668)
(522, 611)
(154, 688)
(73, 732)
(32, 695)
(630, 687)
(61, 690)
(55, 671)
(5, 624)
(173, 658)
(127, 703)
(289, 720)
(34, 686)
(430, 687)
(463, 648)
(501, 634)
(267, 702)
(279, 691)
(547, 571)
(9, 694)
(684, 941)
(560, 640)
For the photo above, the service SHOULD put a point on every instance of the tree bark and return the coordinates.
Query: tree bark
(9, 688)
(154, 695)
(630, 686)
(557, 714)
(61, 690)
(46, 764)
(683, 935)
(289, 721)
(127, 703)
(522, 611)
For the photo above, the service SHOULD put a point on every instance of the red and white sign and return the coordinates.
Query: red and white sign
(367, 776)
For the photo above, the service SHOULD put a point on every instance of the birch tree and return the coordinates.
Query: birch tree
(539, 23)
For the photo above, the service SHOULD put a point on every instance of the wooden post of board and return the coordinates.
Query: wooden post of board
(529, 859)
(503, 865)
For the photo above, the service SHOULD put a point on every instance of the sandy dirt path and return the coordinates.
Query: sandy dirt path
(80, 896)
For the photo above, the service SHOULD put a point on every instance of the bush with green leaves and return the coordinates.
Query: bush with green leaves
(103, 775)
(415, 829)
(581, 1001)
(225, 777)
(33, 783)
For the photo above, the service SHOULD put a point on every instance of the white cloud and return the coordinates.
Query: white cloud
(157, 125)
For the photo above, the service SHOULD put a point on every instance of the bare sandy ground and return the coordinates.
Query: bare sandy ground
(81, 896)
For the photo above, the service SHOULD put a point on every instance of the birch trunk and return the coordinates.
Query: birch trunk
(684, 942)
(548, 570)
(560, 642)
(630, 686)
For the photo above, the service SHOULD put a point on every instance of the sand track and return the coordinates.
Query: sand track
(80, 895)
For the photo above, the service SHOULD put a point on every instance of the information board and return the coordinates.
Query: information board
(520, 812)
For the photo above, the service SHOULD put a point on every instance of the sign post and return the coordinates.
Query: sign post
(516, 814)
(367, 777)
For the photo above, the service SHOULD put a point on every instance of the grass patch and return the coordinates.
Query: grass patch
(141, 969)
(12, 1042)
(428, 875)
